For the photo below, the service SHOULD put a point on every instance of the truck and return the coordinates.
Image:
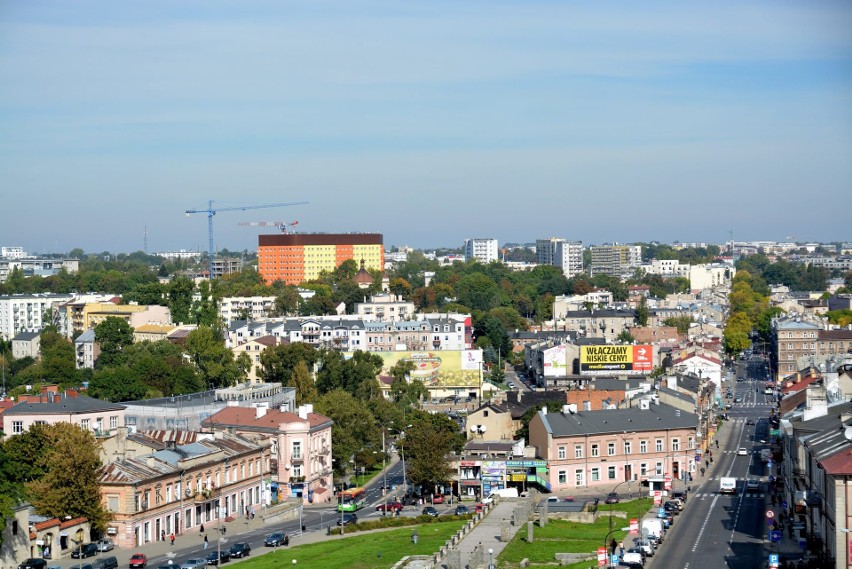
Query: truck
(503, 493)
(727, 485)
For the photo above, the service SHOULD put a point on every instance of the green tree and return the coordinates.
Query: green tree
(735, 338)
(206, 307)
(215, 362)
(57, 360)
(642, 313)
(279, 361)
(625, 337)
(301, 379)
(354, 427)
(427, 446)
(682, 323)
(69, 486)
(113, 335)
(117, 384)
(180, 299)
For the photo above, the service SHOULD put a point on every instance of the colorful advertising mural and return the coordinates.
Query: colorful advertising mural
(441, 368)
(609, 360)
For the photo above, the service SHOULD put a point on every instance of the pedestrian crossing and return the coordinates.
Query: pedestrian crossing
(747, 495)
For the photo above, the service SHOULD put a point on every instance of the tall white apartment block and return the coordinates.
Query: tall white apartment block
(12, 252)
(567, 255)
(483, 250)
(25, 312)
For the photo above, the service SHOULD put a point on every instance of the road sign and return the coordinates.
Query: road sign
(774, 560)
(634, 525)
(662, 512)
(770, 514)
(601, 556)
(775, 536)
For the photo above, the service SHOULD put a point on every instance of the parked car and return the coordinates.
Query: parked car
(612, 498)
(390, 507)
(85, 550)
(670, 506)
(749, 421)
(437, 498)
(429, 511)
(105, 544)
(347, 519)
(645, 545)
(194, 563)
(633, 555)
(33, 563)
(138, 560)
(106, 562)
(82, 566)
(742, 451)
(214, 558)
(752, 484)
(241, 550)
(679, 495)
(462, 510)
(629, 565)
(276, 539)
(480, 507)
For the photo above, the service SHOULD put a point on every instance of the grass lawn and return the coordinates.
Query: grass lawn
(373, 550)
(560, 536)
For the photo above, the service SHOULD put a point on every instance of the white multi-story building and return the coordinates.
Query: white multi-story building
(567, 255)
(238, 307)
(31, 266)
(483, 250)
(25, 312)
(12, 252)
(385, 306)
(182, 254)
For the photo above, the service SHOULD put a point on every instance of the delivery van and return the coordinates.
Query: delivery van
(652, 528)
(727, 485)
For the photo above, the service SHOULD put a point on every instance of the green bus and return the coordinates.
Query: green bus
(351, 500)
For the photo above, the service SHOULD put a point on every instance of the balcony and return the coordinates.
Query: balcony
(297, 458)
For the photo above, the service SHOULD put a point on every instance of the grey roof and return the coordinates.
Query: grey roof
(63, 405)
(86, 337)
(615, 384)
(677, 395)
(26, 336)
(657, 417)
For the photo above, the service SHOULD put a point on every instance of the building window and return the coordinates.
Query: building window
(628, 446)
(17, 427)
(659, 467)
(578, 451)
(113, 422)
(596, 474)
(610, 473)
(595, 450)
(643, 469)
(610, 449)
(562, 477)
(579, 478)
(659, 445)
(690, 443)
(297, 450)
(84, 424)
(675, 445)
(561, 453)
(643, 447)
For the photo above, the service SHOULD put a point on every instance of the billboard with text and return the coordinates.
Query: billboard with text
(616, 360)
(439, 368)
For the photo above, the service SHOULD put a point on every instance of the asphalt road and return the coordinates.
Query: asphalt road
(722, 530)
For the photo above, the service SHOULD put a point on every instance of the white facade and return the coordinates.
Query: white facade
(710, 276)
(24, 312)
(483, 250)
(37, 267)
(567, 255)
(182, 254)
(385, 306)
(12, 252)
(232, 307)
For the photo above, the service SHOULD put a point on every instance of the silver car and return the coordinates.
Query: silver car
(105, 544)
(197, 563)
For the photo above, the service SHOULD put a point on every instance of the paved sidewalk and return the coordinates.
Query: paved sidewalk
(488, 532)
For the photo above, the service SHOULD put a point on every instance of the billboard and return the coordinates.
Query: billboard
(555, 361)
(440, 368)
(614, 360)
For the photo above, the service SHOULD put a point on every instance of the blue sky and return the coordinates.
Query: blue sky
(428, 122)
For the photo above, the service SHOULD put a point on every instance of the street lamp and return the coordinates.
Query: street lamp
(606, 540)
(490, 558)
(219, 514)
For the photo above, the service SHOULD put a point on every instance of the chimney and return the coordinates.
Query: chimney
(566, 409)
(544, 410)
(260, 411)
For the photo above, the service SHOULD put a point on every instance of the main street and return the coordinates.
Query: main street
(722, 530)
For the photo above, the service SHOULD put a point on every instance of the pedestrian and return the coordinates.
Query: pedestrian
(621, 549)
(202, 528)
(163, 535)
(710, 453)
(702, 471)
(252, 513)
(612, 545)
(205, 541)
(172, 537)
(717, 443)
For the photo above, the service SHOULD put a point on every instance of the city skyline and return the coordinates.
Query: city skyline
(426, 122)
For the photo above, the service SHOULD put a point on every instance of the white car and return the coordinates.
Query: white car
(752, 484)
(742, 451)
(633, 555)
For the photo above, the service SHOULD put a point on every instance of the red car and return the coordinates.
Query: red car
(138, 560)
(390, 507)
(438, 499)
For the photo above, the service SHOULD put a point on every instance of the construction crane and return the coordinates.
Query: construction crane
(211, 212)
(283, 225)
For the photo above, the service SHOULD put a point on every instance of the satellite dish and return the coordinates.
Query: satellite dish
(847, 432)
(482, 428)
(473, 428)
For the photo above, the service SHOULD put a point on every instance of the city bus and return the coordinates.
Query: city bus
(351, 500)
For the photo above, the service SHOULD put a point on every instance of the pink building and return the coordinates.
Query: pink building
(614, 446)
(301, 443)
(69, 406)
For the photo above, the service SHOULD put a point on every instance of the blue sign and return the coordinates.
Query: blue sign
(775, 537)
(774, 559)
(784, 504)
(662, 512)
(614, 559)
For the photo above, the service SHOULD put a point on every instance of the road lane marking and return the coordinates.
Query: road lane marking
(704, 524)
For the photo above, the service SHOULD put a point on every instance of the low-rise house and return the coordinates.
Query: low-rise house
(490, 421)
(182, 487)
(253, 349)
(599, 448)
(300, 444)
(69, 406)
(26, 345)
(86, 350)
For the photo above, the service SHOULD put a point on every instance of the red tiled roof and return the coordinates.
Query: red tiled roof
(839, 464)
(272, 419)
(702, 356)
(790, 387)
